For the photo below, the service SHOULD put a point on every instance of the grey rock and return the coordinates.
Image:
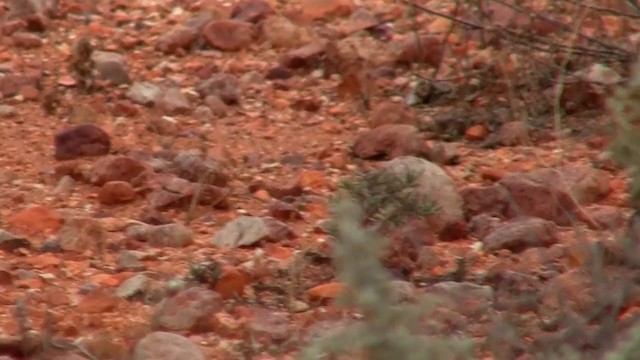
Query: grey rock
(144, 93)
(248, 230)
(166, 346)
(433, 184)
(111, 67)
(133, 286)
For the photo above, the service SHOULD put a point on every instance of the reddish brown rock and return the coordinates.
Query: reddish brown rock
(425, 49)
(284, 211)
(116, 192)
(307, 56)
(124, 108)
(251, 11)
(520, 234)
(179, 38)
(387, 112)
(198, 169)
(111, 67)
(216, 105)
(228, 35)
(389, 141)
(178, 193)
(80, 141)
(514, 133)
(555, 195)
(35, 219)
(80, 234)
(224, 86)
(491, 200)
(191, 310)
(318, 9)
(11, 84)
(174, 102)
(26, 40)
(117, 168)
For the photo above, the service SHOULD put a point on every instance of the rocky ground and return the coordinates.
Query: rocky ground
(148, 140)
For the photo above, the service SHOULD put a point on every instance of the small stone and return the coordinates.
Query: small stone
(129, 261)
(224, 86)
(26, 40)
(168, 235)
(80, 234)
(117, 168)
(144, 93)
(191, 309)
(216, 105)
(133, 286)
(10, 242)
(174, 102)
(116, 192)
(248, 230)
(111, 67)
(228, 35)
(7, 111)
(252, 11)
(81, 141)
(179, 38)
(389, 141)
(325, 291)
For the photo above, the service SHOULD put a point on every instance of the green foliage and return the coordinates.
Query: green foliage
(386, 199)
(389, 330)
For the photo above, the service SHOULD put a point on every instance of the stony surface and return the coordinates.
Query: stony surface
(187, 190)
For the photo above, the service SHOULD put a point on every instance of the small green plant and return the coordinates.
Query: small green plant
(386, 198)
(388, 330)
(364, 206)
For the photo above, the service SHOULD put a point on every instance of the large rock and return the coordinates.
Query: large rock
(435, 185)
(556, 195)
(520, 234)
(166, 346)
(81, 140)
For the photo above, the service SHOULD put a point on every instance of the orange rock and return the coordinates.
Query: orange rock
(476, 133)
(43, 261)
(36, 219)
(104, 280)
(492, 173)
(313, 179)
(325, 291)
(231, 283)
(98, 301)
(262, 195)
(55, 296)
(279, 252)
